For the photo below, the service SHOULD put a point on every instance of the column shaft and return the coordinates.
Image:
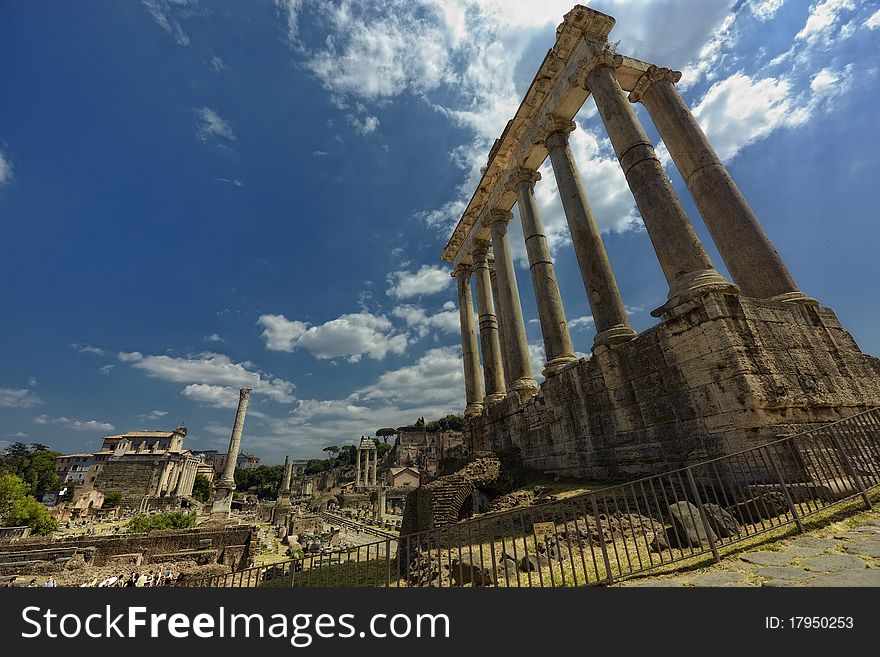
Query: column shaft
(473, 377)
(603, 295)
(502, 339)
(493, 371)
(519, 374)
(228, 478)
(357, 468)
(684, 261)
(753, 262)
(557, 340)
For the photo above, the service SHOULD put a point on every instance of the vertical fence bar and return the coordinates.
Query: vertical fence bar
(608, 575)
(786, 493)
(706, 527)
(844, 458)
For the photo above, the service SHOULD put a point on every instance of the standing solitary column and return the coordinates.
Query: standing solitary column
(609, 314)
(473, 378)
(357, 468)
(557, 340)
(684, 261)
(750, 257)
(285, 478)
(502, 340)
(223, 495)
(493, 371)
(517, 347)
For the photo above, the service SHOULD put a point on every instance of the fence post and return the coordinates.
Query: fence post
(784, 487)
(387, 563)
(850, 469)
(605, 558)
(705, 522)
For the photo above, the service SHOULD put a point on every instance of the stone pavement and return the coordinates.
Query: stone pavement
(825, 557)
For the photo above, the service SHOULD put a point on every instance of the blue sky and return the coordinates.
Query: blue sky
(198, 196)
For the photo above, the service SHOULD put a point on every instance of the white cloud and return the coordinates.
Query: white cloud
(153, 415)
(764, 10)
(75, 425)
(365, 126)
(106, 369)
(18, 398)
(217, 64)
(417, 318)
(429, 279)
(581, 322)
(88, 349)
(212, 369)
(352, 335)
(213, 337)
(5, 169)
(872, 23)
(162, 12)
(823, 17)
(435, 378)
(210, 124)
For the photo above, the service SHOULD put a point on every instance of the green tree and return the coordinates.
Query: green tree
(448, 423)
(34, 464)
(384, 432)
(332, 450)
(202, 488)
(263, 480)
(159, 521)
(112, 499)
(347, 454)
(381, 450)
(18, 508)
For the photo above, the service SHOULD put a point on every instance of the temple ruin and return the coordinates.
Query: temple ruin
(731, 363)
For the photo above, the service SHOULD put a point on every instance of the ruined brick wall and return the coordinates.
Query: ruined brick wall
(152, 544)
(134, 479)
(720, 374)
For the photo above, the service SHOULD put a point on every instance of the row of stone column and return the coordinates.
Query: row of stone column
(365, 475)
(754, 264)
(178, 478)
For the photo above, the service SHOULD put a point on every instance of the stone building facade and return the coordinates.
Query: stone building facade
(416, 448)
(731, 362)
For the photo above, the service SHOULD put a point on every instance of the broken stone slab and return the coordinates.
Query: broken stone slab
(470, 570)
(868, 548)
(721, 522)
(533, 562)
(830, 563)
(863, 577)
(791, 573)
(767, 558)
(689, 525)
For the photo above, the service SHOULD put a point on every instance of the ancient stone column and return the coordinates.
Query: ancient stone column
(606, 305)
(285, 478)
(493, 370)
(366, 468)
(375, 462)
(557, 340)
(180, 488)
(502, 340)
(357, 468)
(754, 264)
(222, 503)
(684, 261)
(473, 377)
(516, 345)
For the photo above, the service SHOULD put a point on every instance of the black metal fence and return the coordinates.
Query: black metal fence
(615, 532)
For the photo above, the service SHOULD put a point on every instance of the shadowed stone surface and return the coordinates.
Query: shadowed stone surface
(721, 578)
(848, 578)
(833, 562)
(868, 548)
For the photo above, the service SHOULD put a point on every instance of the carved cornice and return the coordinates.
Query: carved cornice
(521, 175)
(652, 75)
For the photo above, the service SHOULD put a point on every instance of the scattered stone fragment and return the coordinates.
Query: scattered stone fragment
(721, 522)
(864, 577)
(689, 525)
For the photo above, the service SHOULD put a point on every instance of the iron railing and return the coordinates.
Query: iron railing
(616, 532)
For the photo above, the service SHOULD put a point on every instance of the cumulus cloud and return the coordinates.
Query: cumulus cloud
(88, 349)
(366, 125)
(429, 279)
(435, 378)
(417, 318)
(352, 336)
(872, 23)
(73, 424)
(214, 370)
(764, 10)
(824, 16)
(18, 398)
(153, 415)
(209, 125)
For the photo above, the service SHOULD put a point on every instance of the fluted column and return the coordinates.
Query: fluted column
(554, 328)
(373, 471)
(473, 377)
(516, 345)
(684, 261)
(603, 295)
(357, 468)
(179, 484)
(502, 340)
(753, 262)
(493, 371)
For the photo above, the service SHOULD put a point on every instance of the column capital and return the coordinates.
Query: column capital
(461, 271)
(522, 175)
(603, 57)
(652, 75)
(557, 128)
(498, 215)
(481, 252)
